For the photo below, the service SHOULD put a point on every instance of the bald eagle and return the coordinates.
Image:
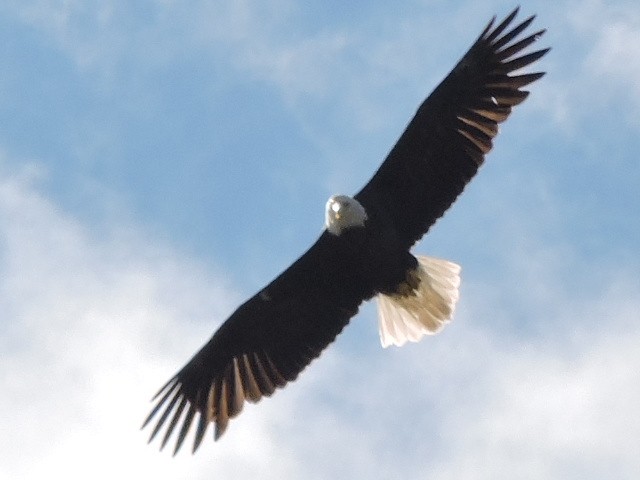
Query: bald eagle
(364, 251)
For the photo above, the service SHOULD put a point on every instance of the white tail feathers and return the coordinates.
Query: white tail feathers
(427, 310)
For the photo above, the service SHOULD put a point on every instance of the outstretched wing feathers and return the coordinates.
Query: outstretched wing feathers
(265, 344)
(452, 131)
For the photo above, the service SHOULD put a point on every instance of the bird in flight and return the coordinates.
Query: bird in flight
(364, 250)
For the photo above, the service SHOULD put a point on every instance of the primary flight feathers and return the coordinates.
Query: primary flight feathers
(363, 252)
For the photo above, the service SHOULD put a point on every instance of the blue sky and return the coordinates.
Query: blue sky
(161, 161)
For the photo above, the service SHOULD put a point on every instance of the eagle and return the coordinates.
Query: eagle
(364, 250)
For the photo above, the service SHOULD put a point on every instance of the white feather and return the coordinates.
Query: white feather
(408, 318)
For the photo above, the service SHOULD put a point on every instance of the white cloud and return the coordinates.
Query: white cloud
(609, 34)
(615, 60)
(562, 406)
(92, 325)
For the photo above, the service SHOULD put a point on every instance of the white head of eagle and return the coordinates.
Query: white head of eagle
(343, 212)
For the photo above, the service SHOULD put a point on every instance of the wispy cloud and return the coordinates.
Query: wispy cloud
(615, 60)
(608, 63)
(90, 326)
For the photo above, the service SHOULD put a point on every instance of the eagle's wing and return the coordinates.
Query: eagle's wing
(445, 143)
(264, 344)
